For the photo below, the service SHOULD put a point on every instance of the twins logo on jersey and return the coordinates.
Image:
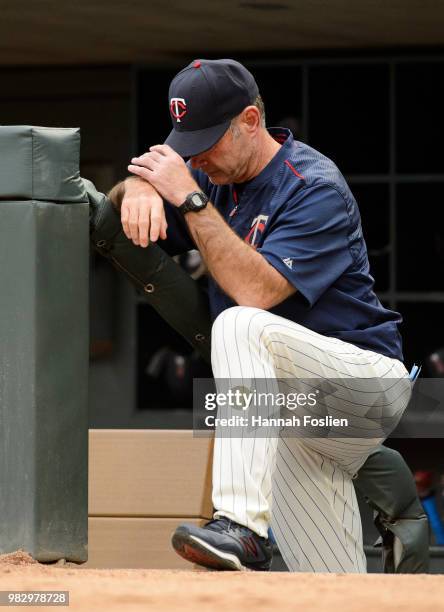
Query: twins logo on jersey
(256, 230)
(178, 108)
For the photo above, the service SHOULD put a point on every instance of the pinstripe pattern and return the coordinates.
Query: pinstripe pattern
(301, 486)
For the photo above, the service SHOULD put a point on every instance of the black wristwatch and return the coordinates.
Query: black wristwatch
(194, 202)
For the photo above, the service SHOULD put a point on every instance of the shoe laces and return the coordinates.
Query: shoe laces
(223, 521)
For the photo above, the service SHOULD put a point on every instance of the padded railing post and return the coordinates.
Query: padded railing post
(43, 344)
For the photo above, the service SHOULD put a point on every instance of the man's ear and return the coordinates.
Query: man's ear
(251, 118)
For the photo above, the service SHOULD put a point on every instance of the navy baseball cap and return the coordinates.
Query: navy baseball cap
(204, 97)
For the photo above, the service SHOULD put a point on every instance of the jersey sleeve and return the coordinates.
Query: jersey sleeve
(178, 238)
(308, 241)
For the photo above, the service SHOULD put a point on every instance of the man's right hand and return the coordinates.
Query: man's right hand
(142, 212)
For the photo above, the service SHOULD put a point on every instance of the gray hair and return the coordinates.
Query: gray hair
(259, 104)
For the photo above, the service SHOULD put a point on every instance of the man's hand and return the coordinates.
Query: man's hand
(166, 171)
(142, 212)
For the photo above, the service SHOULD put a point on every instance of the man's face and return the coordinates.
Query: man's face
(227, 161)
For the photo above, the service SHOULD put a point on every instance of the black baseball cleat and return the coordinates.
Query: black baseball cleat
(223, 544)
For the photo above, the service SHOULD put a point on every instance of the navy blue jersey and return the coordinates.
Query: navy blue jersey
(300, 214)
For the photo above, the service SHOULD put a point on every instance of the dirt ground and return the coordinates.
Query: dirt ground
(171, 590)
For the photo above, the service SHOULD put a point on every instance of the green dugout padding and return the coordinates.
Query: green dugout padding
(43, 344)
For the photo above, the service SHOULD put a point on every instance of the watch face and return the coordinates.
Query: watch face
(196, 200)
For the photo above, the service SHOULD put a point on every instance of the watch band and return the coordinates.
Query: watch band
(191, 206)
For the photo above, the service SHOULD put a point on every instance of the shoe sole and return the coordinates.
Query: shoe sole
(198, 551)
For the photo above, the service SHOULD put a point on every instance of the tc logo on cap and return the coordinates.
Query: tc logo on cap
(178, 108)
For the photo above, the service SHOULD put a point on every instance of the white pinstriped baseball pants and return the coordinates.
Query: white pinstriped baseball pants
(300, 486)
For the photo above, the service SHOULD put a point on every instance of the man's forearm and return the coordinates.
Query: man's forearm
(240, 271)
(116, 194)
(118, 191)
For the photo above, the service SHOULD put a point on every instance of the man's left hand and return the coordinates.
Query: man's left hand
(167, 173)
